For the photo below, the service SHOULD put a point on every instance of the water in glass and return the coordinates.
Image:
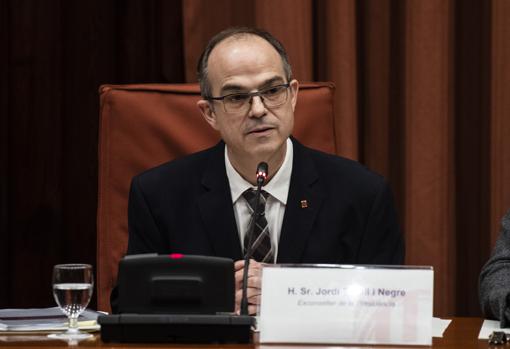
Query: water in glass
(72, 289)
(72, 298)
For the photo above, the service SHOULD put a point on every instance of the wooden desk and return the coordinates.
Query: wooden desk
(461, 334)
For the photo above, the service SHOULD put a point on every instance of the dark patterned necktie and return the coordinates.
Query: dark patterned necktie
(262, 250)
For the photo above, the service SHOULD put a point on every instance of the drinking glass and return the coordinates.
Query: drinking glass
(72, 289)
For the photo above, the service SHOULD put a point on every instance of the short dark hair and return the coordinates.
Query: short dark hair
(205, 87)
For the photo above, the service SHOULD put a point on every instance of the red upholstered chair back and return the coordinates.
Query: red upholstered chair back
(142, 126)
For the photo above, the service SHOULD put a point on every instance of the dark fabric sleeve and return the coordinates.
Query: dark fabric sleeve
(144, 235)
(494, 288)
(382, 242)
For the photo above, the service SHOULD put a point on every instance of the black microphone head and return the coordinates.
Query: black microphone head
(262, 171)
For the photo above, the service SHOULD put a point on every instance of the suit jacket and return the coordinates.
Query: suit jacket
(495, 278)
(185, 206)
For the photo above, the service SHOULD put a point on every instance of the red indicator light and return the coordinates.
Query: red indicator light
(262, 174)
(175, 255)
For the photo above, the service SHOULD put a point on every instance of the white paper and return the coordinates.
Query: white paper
(439, 326)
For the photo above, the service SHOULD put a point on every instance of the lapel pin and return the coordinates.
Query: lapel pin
(304, 204)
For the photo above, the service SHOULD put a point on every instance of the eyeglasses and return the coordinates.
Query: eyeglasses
(237, 103)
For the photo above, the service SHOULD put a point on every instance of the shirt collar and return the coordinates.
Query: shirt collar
(278, 186)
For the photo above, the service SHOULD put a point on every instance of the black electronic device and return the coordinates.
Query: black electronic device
(175, 328)
(176, 298)
(497, 337)
(175, 284)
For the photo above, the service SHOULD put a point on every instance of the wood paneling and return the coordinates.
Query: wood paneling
(336, 60)
(429, 148)
(421, 97)
(500, 114)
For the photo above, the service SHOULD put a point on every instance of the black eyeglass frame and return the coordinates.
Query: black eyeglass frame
(249, 95)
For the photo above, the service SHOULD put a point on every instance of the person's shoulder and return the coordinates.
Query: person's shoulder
(505, 221)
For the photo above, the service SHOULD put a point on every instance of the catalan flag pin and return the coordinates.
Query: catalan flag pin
(304, 204)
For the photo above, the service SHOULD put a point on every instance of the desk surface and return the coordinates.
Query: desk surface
(462, 334)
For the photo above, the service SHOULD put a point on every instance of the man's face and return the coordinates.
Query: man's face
(248, 64)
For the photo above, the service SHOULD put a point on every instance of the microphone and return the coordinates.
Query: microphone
(261, 175)
(262, 171)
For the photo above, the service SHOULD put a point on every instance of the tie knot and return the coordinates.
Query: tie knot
(251, 195)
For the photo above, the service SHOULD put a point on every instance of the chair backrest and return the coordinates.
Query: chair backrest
(144, 125)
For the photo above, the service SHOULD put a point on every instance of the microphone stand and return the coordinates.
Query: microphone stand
(261, 177)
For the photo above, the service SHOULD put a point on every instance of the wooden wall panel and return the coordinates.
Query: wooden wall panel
(472, 94)
(35, 138)
(57, 54)
(201, 21)
(5, 247)
(500, 114)
(336, 60)
(375, 57)
(291, 22)
(429, 151)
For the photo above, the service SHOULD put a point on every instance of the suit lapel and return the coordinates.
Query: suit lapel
(303, 204)
(216, 207)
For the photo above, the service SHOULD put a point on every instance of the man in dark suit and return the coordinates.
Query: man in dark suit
(495, 278)
(319, 208)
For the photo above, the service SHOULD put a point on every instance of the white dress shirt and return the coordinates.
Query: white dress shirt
(278, 190)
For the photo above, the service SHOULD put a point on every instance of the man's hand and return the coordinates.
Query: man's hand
(254, 281)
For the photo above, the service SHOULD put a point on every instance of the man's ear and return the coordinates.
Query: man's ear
(294, 89)
(207, 112)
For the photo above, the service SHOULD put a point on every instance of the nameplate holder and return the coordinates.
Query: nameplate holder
(346, 304)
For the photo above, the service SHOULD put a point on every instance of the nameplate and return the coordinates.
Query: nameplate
(346, 304)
